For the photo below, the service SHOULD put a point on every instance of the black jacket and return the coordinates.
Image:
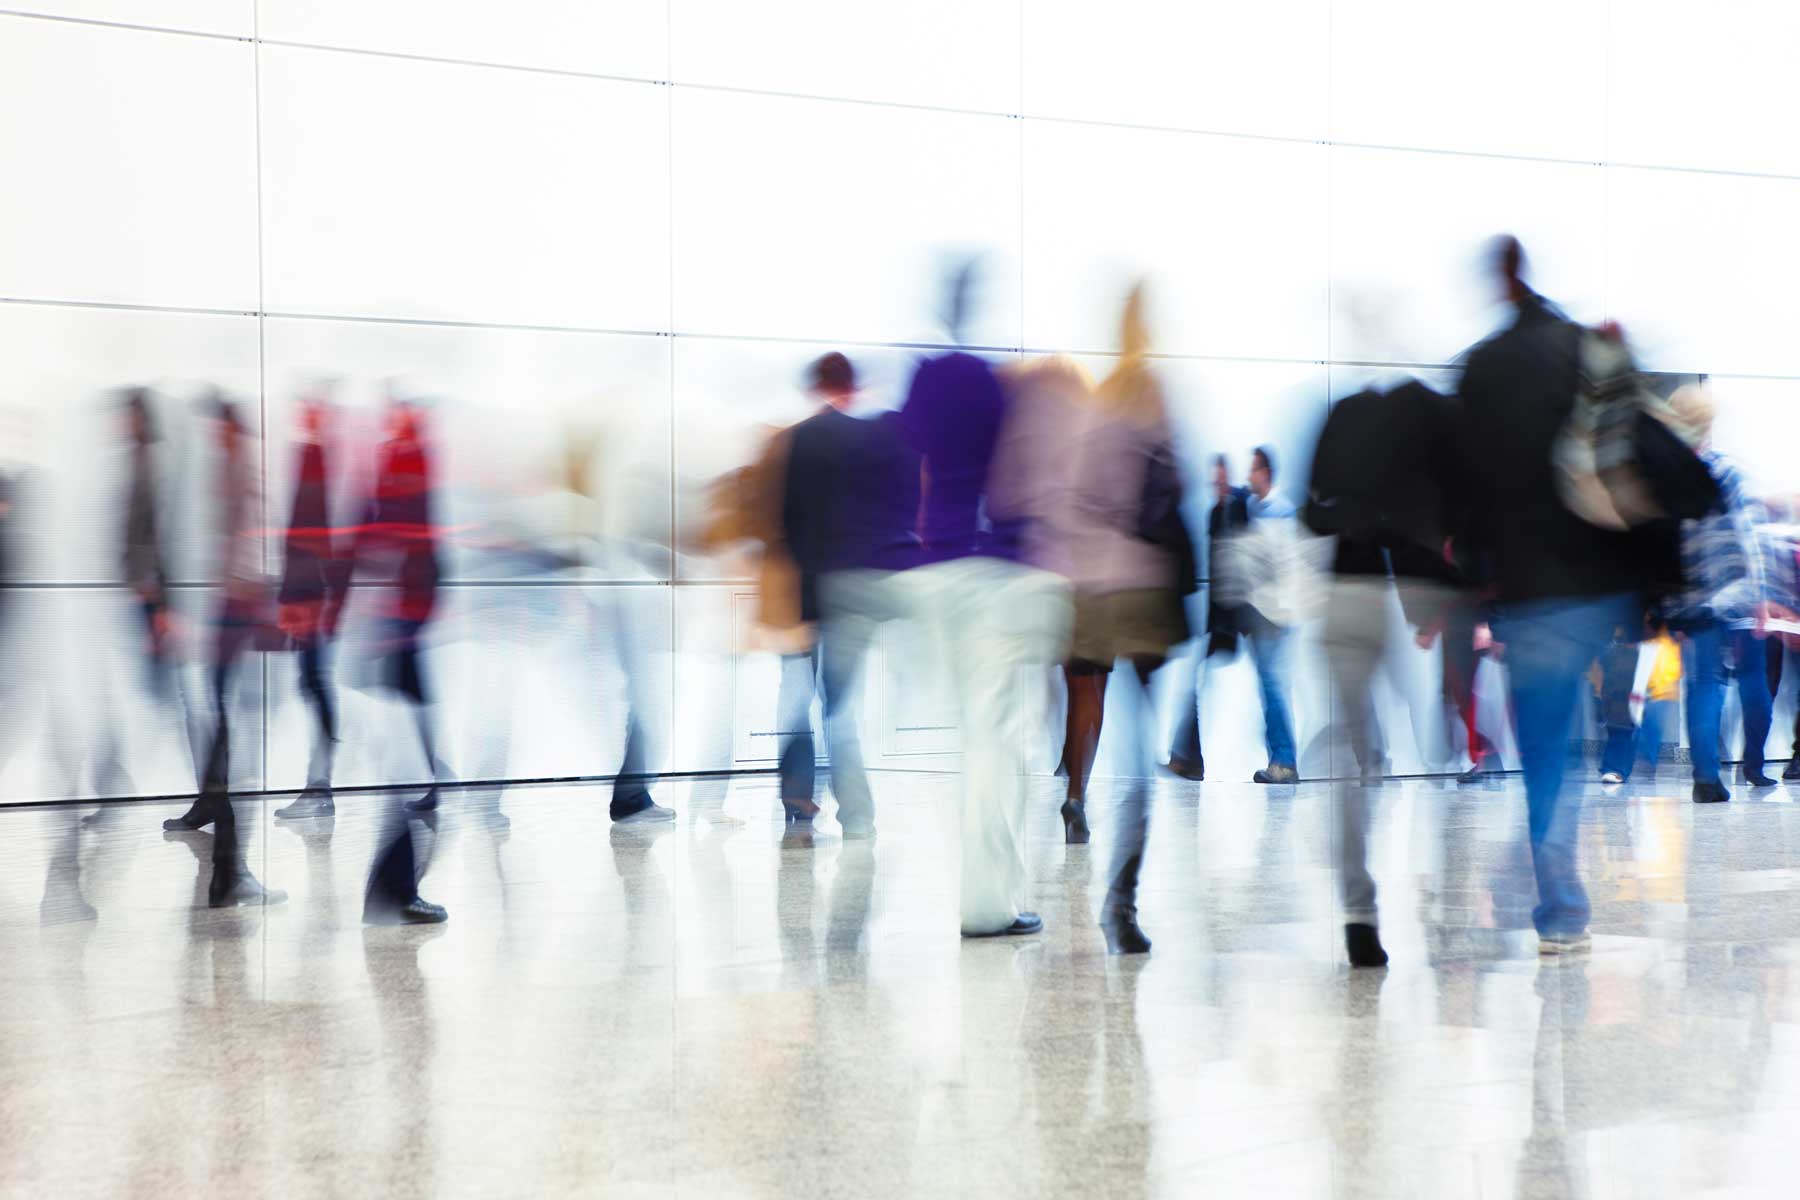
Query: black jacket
(1517, 390)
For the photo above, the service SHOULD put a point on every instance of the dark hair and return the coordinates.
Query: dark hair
(831, 373)
(1268, 460)
(1508, 257)
(1222, 463)
(137, 403)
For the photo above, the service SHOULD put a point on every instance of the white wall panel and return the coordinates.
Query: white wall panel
(412, 189)
(617, 37)
(1208, 64)
(1700, 269)
(236, 18)
(1229, 232)
(1408, 237)
(950, 53)
(823, 220)
(1705, 85)
(133, 178)
(1528, 78)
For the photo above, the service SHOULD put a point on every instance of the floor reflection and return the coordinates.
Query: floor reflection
(727, 1005)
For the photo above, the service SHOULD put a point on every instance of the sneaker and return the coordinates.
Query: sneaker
(419, 911)
(1551, 945)
(1274, 773)
(1472, 775)
(313, 802)
(650, 813)
(1710, 793)
(1026, 923)
(1612, 779)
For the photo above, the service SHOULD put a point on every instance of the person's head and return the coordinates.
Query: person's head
(1221, 476)
(228, 423)
(1132, 390)
(1507, 256)
(1262, 471)
(832, 379)
(140, 423)
(1693, 405)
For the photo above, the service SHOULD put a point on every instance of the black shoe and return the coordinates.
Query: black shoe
(420, 911)
(1472, 775)
(1710, 793)
(313, 802)
(1075, 826)
(1122, 933)
(1758, 779)
(424, 804)
(799, 812)
(1792, 770)
(1364, 945)
(200, 814)
(1025, 923)
(240, 888)
(1186, 768)
(1274, 773)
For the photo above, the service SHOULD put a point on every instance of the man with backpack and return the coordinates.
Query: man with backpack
(1384, 482)
(1563, 583)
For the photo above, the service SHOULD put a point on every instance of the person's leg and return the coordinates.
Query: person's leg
(215, 776)
(1355, 627)
(1758, 704)
(1131, 831)
(1548, 645)
(316, 687)
(855, 604)
(1621, 746)
(1081, 739)
(1267, 648)
(796, 758)
(1705, 700)
(995, 617)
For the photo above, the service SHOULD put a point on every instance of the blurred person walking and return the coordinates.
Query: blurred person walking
(397, 542)
(1267, 561)
(1721, 611)
(310, 600)
(243, 618)
(1563, 584)
(1227, 615)
(1385, 481)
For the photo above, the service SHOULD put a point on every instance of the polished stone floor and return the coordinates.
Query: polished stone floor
(712, 1010)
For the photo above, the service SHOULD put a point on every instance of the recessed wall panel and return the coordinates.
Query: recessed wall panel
(131, 166)
(1228, 233)
(1239, 68)
(948, 53)
(412, 189)
(618, 37)
(821, 220)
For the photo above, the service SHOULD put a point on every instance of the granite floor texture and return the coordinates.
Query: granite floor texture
(719, 1009)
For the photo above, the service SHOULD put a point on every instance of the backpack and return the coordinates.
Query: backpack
(1624, 458)
(1379, 469)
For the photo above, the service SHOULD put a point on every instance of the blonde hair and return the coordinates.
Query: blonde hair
(1131, 390)
(1693, 405)
(1054, 370)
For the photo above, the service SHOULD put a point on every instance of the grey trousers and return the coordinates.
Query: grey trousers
(1360, 632)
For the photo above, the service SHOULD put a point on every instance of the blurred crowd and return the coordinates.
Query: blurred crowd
(1558, 520)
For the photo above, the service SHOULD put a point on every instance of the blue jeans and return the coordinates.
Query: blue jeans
(1618, 757)
(1653, 731)
(1267, 648)
(1706, 696)
(1549, 644)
